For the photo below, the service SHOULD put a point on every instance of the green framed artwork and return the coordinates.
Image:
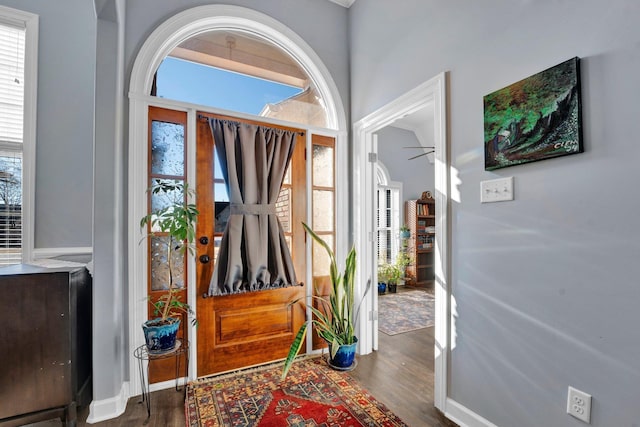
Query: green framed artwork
(534, 119)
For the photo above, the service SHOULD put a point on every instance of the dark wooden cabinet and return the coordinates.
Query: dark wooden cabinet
(421, 219)
(45, 343)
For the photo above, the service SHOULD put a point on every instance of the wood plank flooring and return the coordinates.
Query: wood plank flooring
(399, 374)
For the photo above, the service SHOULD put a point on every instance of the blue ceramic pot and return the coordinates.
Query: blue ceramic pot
(382, 287)
(160, 337)
(345, 355)
(405, 234)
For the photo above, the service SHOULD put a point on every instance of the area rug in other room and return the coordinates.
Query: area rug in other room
(312, 395)
(405, 311)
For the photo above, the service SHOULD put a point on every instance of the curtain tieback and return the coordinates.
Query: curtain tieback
(240, 209)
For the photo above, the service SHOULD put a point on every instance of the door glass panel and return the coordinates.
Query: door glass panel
(160, 267)
(217, 169)
(167, 148)
(287, 176)
(217, 240)
(220, 195)
(323, 166)
(322, 210)
(283, 209)
(220, 192)
(222, 216)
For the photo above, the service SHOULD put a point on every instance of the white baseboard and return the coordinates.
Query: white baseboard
(164, 385)
(463, 416)
(105, 409)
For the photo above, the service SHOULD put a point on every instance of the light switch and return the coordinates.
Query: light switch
(496, 190)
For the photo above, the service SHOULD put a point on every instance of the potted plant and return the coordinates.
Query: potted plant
(335, 320)
(177, 220)
(391, 274)
(403, 260)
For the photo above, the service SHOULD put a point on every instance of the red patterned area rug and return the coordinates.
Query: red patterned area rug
(312, 395)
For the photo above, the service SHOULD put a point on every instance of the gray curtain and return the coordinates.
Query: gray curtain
(253, 253)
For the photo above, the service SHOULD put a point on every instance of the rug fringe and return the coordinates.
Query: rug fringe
(254, 368)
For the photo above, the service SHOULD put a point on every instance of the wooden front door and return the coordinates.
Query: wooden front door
(252, 328)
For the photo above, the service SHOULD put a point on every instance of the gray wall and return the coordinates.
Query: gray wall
(416, 175)
(64, 156)
(545, 287)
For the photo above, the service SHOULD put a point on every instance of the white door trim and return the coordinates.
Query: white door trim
(431, 92)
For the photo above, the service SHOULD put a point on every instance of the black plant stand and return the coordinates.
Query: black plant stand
(141, 353)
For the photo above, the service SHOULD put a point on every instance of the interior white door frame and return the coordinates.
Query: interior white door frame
(433, 92)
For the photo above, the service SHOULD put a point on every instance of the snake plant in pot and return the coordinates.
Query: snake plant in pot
(174, 223)
(335, 319)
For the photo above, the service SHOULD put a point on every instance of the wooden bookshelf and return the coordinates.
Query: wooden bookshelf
(421, 220)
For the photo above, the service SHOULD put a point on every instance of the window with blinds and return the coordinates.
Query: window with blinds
(12, 50)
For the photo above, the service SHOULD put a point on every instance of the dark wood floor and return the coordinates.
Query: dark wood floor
(399, 374)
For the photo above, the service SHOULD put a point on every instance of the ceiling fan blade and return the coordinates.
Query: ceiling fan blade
(421, 146)
(420, 155)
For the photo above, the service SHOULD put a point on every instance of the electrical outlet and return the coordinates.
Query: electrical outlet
(579, 405)
(496, 190)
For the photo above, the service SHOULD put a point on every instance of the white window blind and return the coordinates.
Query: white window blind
(11, 83)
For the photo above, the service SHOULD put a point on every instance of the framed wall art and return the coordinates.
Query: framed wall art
(534, 119)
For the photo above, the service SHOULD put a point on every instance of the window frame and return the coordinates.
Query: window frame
(30, 23)
(395, 208)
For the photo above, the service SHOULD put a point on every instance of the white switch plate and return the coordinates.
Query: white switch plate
(496, 190)
(579, 405)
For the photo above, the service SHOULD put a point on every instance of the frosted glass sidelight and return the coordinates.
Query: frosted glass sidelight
(160, 267)
(162, 200)
(167, 148)
(323, 166)
(321, 262)
(323, 213)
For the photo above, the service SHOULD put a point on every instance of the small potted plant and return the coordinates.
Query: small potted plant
(335, 320)
(383, 278)
(176, 219)
(405, 233)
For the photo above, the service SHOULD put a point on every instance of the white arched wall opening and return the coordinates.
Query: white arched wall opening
(166, 37)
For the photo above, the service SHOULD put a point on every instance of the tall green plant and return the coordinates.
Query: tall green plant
(177, 219)
(335, 321)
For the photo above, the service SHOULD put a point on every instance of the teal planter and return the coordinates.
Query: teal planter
(345, 356)
(160, 338)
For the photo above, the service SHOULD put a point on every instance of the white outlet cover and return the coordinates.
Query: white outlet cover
(579, 405)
